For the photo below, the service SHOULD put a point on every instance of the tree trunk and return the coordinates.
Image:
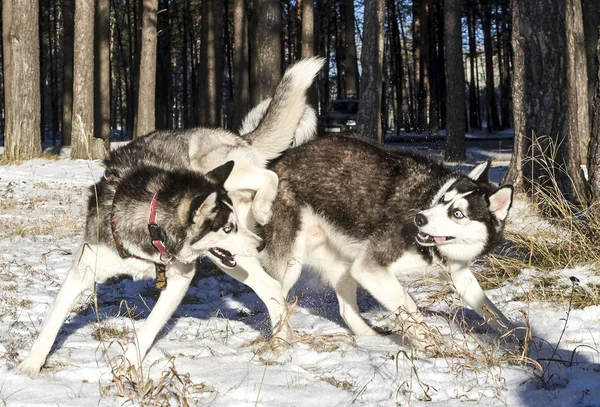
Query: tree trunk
(591, 22)
(211, 64)
(473, 107)
(241, 79)
(397, 66)
(421, 46)
(369, 108)
(540, 92)
(506, 100)
(163, 67)
(455, 82)
(84, 144)
(492, 105)
(102, 71)
(594, 162)
(350, 61)
(146, 122)
(265, 49)
(579, 111)
(21, 80)
(324, 48)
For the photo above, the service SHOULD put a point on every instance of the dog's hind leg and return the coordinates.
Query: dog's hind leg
(79, 278)
(263, 181)
(345, 289)
(249, 271)
(179, 278)
(468, 288)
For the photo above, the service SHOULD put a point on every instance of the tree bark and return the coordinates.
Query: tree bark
(163, 67)
(84, 144)
(591, 22)
(474, 122)
(265, 49)
(579, 112)
(594, 161)
(22, 80)
(492, 104)
(102, 71)
(146, 122)
(369, 108)
(455, 82)
(540, 92)
(350, 61)
(211, 64)
(241, 76)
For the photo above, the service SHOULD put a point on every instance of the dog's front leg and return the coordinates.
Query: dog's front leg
(382, 283)
(249, 271)
(179, 278)
(261, 180)
(80, 277)
(468, 288)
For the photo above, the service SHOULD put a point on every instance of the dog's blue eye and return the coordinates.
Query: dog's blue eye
(458, 214)
(228, 228)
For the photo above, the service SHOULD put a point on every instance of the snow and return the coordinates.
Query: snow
(217, 340)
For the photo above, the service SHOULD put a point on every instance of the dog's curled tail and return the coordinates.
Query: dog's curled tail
(287, 119)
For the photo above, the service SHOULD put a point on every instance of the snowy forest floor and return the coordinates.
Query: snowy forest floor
(215, 349)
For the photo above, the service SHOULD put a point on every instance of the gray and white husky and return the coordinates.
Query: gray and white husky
(155, 212)
(358, 213)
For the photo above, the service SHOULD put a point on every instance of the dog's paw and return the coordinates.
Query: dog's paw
(262, 211)
(30, 367)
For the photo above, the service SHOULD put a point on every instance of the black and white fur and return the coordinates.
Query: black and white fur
(362, 214)
(197, 214)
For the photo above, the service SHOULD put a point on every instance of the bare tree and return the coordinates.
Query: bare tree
(350, 60)
(371, 59)
(541, 90)
(84, 144)
(21, 79)
(265, 49)
(102, 70)
(146, 121)
(455, 82)
(211, 64)
(493, 122)
(241, 76)
(68, 12)
(594, 162)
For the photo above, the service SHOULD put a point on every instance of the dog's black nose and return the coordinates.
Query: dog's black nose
(261, 246)
(420, 220)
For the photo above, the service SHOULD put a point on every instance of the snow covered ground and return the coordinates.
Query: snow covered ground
(214, 350)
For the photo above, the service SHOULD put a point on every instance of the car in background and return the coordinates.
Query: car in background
(339, 118)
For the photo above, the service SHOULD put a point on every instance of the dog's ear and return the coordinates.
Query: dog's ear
(201, 207)
(481, 172)
(501, 201)
(221, 173)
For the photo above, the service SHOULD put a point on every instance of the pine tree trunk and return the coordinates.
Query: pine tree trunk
(265, 49)
(506, 100)
(579, 112)
(397, 66)
(594, 161)
(211, 64)
(102, 71)
(84, 144)
(541, 91)
(492, 105)
(21, 80)
(591, 22)
(241, 79)
(369, 108)
(350, 61)
(163, 67)
(473, 107)
(455, 82)
(146, 122)
(324, 48)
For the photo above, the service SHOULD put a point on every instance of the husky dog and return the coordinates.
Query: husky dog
(155, 212)
(361, 214)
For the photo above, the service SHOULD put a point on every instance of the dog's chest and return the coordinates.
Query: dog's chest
(413, 264)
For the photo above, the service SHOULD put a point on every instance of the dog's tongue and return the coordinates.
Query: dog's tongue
(439, 239)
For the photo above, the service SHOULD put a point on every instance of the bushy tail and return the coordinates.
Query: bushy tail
(286, 119)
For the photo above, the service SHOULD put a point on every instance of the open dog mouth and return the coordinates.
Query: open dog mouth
(226, 258)
(428, 240)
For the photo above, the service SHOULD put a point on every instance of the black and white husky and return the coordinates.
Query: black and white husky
(361, 214)
(174, 195)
